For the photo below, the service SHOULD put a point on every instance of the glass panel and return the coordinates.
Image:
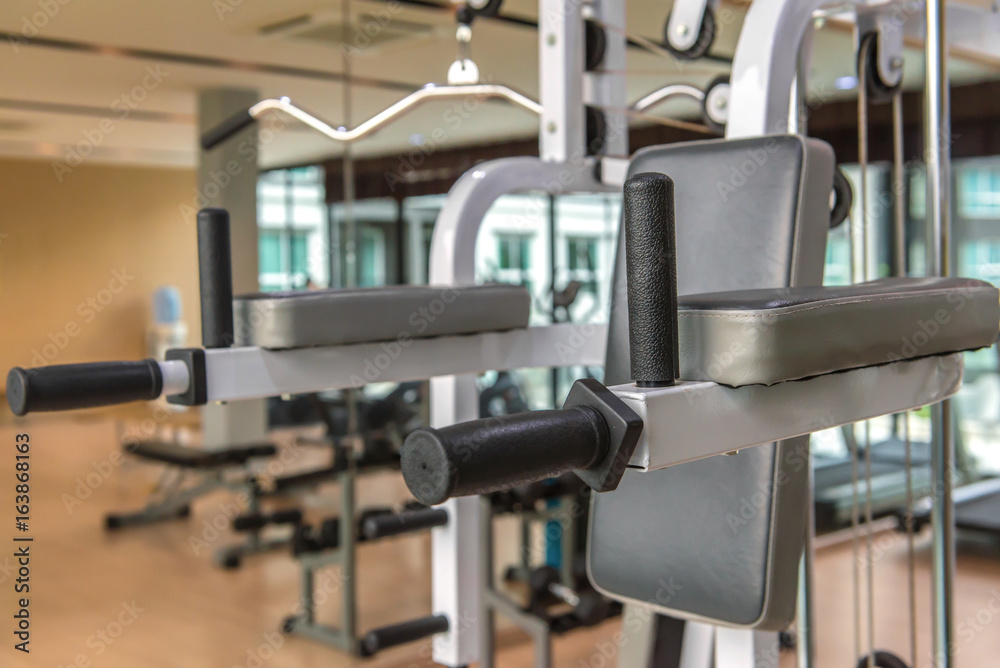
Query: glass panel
(270, 253)
(976, 248)
(371, 257)
(300, 254)
(293, 229)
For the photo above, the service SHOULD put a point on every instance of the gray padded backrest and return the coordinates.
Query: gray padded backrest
(719, 539)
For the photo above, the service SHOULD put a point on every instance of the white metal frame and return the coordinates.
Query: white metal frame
(696, 419)
(563, 167)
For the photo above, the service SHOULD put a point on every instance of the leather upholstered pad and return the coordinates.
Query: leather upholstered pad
(767, 336)
(665, 539)
(279, 320)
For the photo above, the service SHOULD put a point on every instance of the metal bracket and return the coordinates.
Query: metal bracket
(888, 44)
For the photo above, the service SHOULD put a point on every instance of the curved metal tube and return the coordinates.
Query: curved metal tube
(666, 93)
(429, 92)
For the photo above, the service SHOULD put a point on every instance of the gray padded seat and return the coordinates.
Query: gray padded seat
(719, 539)
(751, 214)
(767, 336)
(280, 320)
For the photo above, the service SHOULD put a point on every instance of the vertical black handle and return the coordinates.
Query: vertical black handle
(215, 273)
(651, 268)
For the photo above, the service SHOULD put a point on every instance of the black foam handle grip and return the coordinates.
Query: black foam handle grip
(215, 275)
(68, 386)
(377, 640)
(651, 268)
(290, 516)
(497, 453)
(395, 524)
(226, 129)
(256, 521)
(249, 522)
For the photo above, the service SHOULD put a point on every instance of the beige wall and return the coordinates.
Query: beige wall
(104, 234)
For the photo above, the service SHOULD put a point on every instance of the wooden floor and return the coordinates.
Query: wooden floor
(183, 611)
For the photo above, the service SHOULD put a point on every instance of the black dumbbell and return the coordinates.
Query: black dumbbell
(589, 608)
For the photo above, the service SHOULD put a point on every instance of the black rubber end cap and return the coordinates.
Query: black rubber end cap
(427, 470)
(369, 645)
(17, 390)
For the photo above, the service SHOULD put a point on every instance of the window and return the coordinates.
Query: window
(270, 253)
(300, 253)
(513, 251)
(979, 191)
(284, 255)
(292, 229)
(581, 253)
(581, 260)
(371, 256)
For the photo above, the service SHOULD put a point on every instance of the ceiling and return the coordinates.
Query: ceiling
(82, 75)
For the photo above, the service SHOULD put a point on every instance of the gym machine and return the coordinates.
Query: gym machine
(334, 541)
(765, 82)
(558, 600)
(659, 422)
(380, 430)
(188, 474)
(686, 421)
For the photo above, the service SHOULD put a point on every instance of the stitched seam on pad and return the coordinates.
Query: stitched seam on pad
(796, 309)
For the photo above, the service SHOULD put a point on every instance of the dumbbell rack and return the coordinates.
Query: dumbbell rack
(344, 556)
(495, 601)
(230, 556)
(305, 624)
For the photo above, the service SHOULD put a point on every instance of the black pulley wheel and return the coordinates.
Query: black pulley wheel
(715, 105)
(597, 130)
(706, 35)
(484, 7)
(878, 91)
(596, 44)
(883, 659)
(843, 198)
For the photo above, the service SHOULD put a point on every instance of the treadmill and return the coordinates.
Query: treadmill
(977, 505)
(833, 490)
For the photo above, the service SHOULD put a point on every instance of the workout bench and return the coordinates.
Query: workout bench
(174, 492)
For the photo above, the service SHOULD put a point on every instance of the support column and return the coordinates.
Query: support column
(937, 152)
(227, 178)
